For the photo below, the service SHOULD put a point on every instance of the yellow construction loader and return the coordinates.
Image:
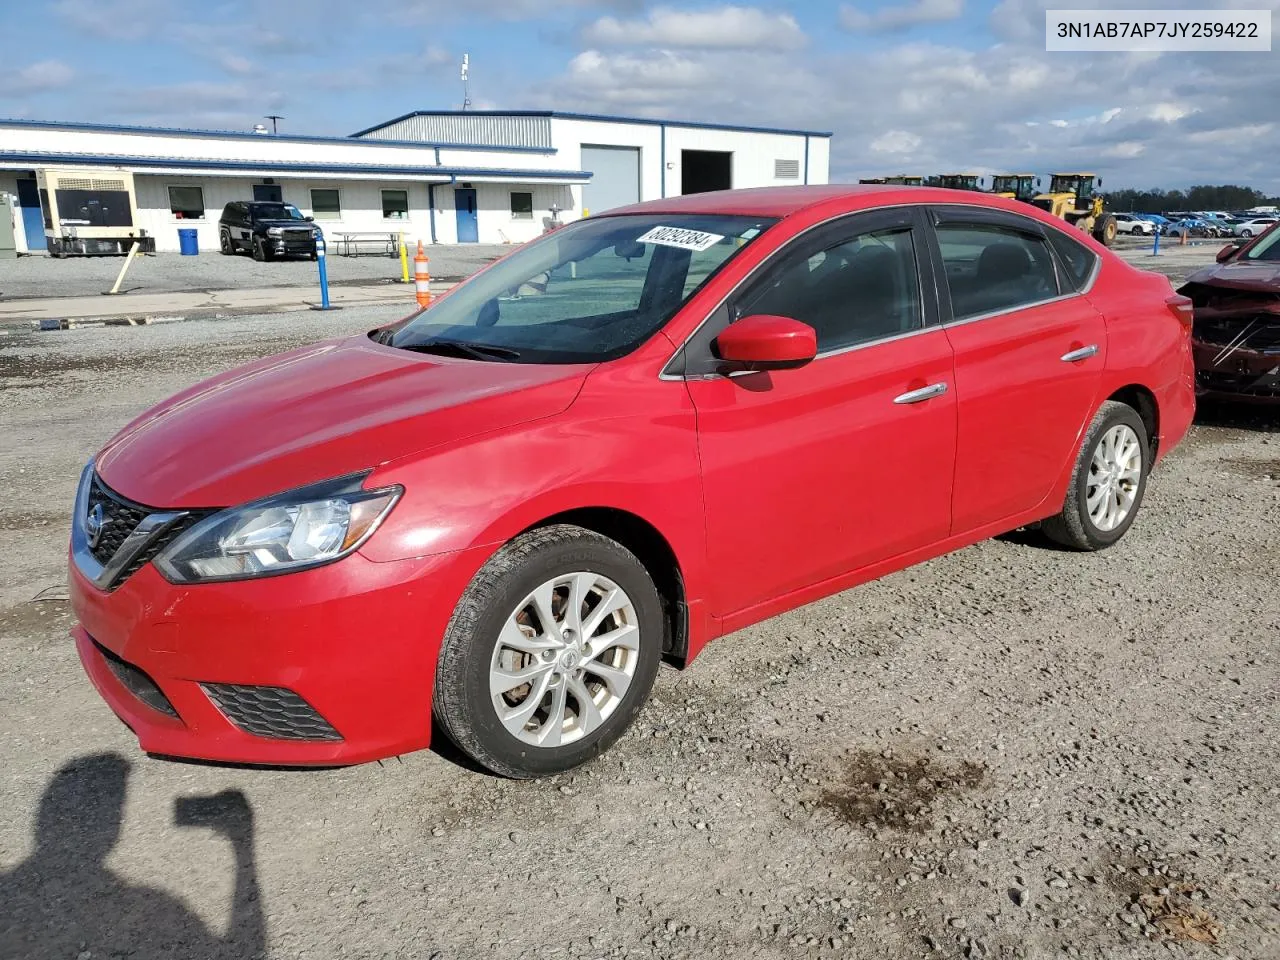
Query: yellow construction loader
(1016, 186)
(957, 181)
(905, 181)
(1074, 197)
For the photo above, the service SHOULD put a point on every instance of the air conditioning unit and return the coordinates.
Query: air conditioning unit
(90, 212)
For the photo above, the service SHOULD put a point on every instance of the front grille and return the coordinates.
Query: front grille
(137, 682)
(271, 712)
(297, 236)
(1259, 333)
(120, 517)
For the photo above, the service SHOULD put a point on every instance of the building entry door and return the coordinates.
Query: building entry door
(464, 202)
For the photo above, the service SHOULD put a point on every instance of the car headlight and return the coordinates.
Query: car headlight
(295, 530)
(274, 231)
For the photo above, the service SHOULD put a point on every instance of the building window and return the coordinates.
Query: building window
(186, 203)
(325, 205)
(786, 169)
(395, 204)
(521, 206)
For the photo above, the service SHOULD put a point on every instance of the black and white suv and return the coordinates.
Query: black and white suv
(266, 229)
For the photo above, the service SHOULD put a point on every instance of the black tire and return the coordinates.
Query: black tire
(225, 245)
(259, 251)
(462, 704)
(1246, 233)
(1073, 527)
(1137, 231)
(1105, 230)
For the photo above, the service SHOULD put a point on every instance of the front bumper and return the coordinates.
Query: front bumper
(355, 644)
(1237, 373)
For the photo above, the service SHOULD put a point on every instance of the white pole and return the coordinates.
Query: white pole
(125, 269)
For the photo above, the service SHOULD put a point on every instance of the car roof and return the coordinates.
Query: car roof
(786, 201)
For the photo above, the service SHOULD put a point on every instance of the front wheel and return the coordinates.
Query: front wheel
(550, 654)
(1108, 482)
(225, 244)
(1105, 229)
(1246, 234)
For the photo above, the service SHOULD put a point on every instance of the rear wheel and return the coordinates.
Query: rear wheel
(1108, 482)
(1246, 233)
(550, 654)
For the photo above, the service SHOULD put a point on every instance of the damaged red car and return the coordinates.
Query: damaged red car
(1236, 334)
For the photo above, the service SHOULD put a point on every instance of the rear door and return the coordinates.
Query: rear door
(1029, 354)
(814, 472)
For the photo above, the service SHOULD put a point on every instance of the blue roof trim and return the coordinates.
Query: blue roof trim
(250, 166)
(238, 135)
(646, 121)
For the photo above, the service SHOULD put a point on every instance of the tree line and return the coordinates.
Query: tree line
(1204, 197)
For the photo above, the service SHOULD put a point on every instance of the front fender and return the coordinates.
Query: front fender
(629, 450)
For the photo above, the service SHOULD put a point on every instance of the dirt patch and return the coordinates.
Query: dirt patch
(897, 792)
(1164, 903)
(26, 618)
(1255, 469)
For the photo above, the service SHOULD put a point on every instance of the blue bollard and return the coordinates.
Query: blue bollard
(324, 272)
(1155, 251)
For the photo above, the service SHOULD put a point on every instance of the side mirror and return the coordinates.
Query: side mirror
(766, 342)
(1229, 251)
(309, 219)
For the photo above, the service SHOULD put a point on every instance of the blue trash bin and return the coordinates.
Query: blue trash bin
(188, 242)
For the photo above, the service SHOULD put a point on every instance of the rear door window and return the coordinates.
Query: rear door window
(1078, 261)
(992, 268)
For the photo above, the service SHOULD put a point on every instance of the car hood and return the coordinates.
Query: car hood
(322, 411)
(1261, 275)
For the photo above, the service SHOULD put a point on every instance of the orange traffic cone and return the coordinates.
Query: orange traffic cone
(422, 277)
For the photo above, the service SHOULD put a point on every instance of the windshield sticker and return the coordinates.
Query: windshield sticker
(697, 240)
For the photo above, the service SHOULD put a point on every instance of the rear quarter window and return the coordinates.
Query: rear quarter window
(1078, 261)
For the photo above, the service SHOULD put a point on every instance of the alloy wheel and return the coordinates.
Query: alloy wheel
(564, 659)
(1115, 474)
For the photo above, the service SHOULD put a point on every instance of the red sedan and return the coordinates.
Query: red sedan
(624, 439)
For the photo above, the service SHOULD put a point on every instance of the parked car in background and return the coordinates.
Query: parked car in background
(1191, 227)
(629, 436)
(1236, 334)
(267, 230)
(1253, 226)
(1128, 223)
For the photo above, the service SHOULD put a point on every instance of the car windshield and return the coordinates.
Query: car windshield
(1267, 247)
(276, 211)
(590, 291)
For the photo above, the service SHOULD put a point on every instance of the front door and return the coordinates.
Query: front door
(32, 218)
(1029, 357)
(268, 193)
(815, 472)
(464, 201)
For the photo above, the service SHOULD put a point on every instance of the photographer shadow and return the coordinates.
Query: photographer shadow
(64, 901)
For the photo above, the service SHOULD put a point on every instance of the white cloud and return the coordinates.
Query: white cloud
(900, 17)
(236, 64)
(38, 77)
(728, 27)
(896, 142)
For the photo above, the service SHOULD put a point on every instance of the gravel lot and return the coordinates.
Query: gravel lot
(1012, 751)
(42, 276)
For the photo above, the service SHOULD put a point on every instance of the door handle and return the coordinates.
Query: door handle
(924, 393)
(1084, 353)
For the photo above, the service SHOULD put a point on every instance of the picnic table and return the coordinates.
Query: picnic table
(350, 243)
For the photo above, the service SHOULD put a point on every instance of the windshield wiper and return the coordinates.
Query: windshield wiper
(476, 351)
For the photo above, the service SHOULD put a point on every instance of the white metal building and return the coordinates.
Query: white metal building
(442, 177)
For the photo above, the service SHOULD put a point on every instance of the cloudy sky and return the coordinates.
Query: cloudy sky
(915, 86)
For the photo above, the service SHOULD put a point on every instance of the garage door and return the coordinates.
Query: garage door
(615, 177)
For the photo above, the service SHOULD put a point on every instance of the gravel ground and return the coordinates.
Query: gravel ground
(1013, 751)
(43, 276)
